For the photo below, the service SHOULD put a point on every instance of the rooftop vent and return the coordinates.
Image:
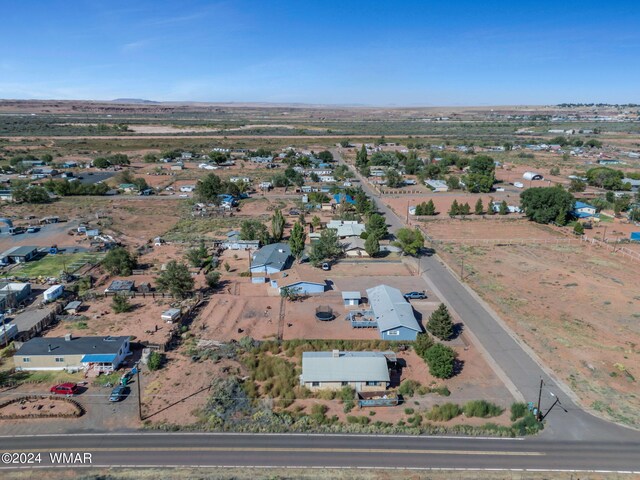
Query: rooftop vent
(335, 353)
(68, 337)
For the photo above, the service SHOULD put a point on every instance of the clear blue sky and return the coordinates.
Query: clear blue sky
(466, 52)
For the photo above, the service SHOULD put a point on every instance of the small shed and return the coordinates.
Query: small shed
(351, 298)
(72, 308)
(171, 315)
(144, 287)
(120, 286)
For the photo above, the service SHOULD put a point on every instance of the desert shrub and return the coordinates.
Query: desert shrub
(444, 413)
(518, 410)
(408, 388)
(358, 420)
(527, 425)
(318, 413)
(482, 408)
(443, 390)
(229, 401)
(347, 394)
(409, 411)
(326, 394)
(415, 421)
(120, 304)
(155, 361)
(441, 360)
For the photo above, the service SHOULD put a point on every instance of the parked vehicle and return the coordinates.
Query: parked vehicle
(415, 296)
(518, 184)
(118, 393)
(32, 229)
(326, 266)
(68, 389)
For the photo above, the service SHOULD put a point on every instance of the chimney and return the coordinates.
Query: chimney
(335, 353)
(68, 337)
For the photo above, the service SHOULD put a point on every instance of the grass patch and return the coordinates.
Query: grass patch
(53, 265)
(444, 413)
(103, 380)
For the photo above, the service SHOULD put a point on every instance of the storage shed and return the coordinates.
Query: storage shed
(532, 176)
(351, 298)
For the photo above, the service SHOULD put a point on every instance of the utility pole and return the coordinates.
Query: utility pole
(557, 402)
(538, 413)
(604, 235)
(139, 394)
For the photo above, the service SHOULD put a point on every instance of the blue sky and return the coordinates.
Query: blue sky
(323, 51)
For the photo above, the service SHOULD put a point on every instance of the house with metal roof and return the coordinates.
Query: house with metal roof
(271, 258)
(584, 210)
(98, 354)
(362, 371)
(393, 314)
(347, 228)
(437, 185)
(20, 254)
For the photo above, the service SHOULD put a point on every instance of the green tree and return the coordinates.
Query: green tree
(455, 208)
(315, 221)
(314, 177)
(213, 279)
(176, 279)
(554, 171)
(429, 208)
(409, 241)
(465, 209)
(101, 162)
(577, 185)
(372, 245)
(254, 230)
(150, 158)
(394, 179)
(118, 261)
(441, 361)
(326, 248)
(326, 156)
(578, 229)
(196, 256)
(377, 226)
(606, 178)
(155, 361)
(208, 189)
(440, 323)
(362, 158)
(504, 208)
(297, 239)
(277, 225)
(120, 303)
(479, 209)
(423, 343)
(547, 204)
(481, 175)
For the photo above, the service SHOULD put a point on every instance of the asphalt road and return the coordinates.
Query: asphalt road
(512, 360)
(175, 449)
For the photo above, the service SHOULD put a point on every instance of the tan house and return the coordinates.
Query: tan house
(354, 247)
(97, 354)
(362, 371)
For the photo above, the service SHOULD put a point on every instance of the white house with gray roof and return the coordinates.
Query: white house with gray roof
(393, 314)
(271, 258)
(362, 371)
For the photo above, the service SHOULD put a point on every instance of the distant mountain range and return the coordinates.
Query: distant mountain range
(132, 100)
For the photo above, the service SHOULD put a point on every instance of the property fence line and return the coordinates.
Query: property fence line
(502, 241)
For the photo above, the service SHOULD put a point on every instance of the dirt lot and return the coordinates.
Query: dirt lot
(575, 305)
(493, 228)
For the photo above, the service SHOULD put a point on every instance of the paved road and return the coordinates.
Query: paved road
(514, 362)
(174, 449)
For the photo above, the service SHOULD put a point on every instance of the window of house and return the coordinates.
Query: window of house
(26, 359)
(344, 384)
(315, 384)
(372, 384)
(393, 332)
(59, 359)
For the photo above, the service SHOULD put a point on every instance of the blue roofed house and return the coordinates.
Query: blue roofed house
(393, 314)
(271, 259)
(584, 210)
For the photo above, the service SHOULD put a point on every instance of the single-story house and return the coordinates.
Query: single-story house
(583, 210)
(351, 298)
(393, 314)
(13, 294)
(355, 247)
(635, 184)
(171, 315)
(301, 287)
(120, 286)
(101, 354)
(347, 228)
(271, 258)
(362, 371)
(437, 185)
(21, 254)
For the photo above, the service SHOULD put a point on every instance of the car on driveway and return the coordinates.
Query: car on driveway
(326, 266)
(64, 389)
(118, 393)
(415, 296)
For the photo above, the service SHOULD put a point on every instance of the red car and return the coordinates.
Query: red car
(65, 389)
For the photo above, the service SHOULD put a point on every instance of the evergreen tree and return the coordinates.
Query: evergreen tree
(455, 209)
(372, 245)
(465, 209)
(175, 279)
(430, 208)
(297, 239)
(277, 226)
(440, 323)
(362, 158)
(479, 207)
(504, 208)
(377, 226)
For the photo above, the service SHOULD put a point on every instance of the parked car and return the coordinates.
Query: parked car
(326, 266)
(32, 229)
(518, 184)
(415, 296)
(118, 393)
(65, 389)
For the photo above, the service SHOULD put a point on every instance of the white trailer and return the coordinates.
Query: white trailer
(53, 293)
(7, 332)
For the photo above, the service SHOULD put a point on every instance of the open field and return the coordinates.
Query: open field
(576, 306)
(52, 265)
